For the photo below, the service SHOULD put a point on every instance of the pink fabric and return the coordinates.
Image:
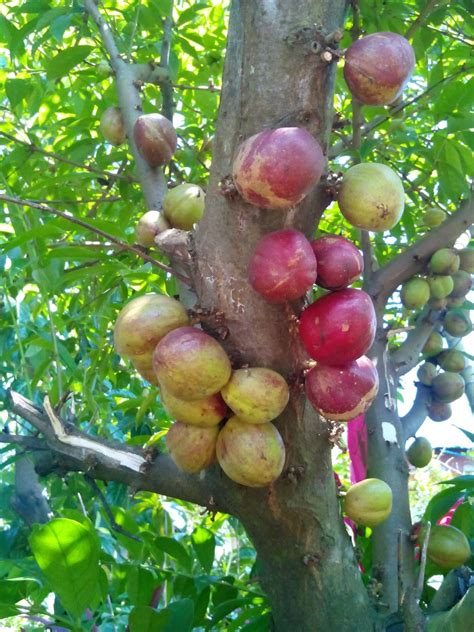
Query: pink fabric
(357, 446)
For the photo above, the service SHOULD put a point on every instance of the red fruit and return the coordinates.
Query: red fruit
(277, 168)
(378, 66)
(342, 392)
(283, 266)
(339, 262)
(339, 327)
(155, 138)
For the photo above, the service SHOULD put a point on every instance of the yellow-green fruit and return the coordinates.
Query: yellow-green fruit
(184, 205)
(256, 395)
(462, 284)
(208, 411)
(447, 387)
(371, 196)
(452, 360)
(420, 452)
(368, 502)
(426, 373)
(103, 69)
(457, 323)
(433, 217)
(148, 227)
(192, 448)
(144, 321)
(466, 258)
(444, 261)
(448, 546)
(143, 364)
(433, 345)
(250, 454)
(112, 126)
(438, 303)
(415, 293)
(440, 286)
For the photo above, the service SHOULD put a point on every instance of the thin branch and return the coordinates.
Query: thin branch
(417, 414)
(421, 19)
(423, 558)
(70, 218)
(30, 443)
(167, 87)
(407, 356)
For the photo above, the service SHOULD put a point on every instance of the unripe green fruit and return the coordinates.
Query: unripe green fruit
(438, 303)
(103, 69)
(448, 546)
(183, 206)
(462, 284)
(438, 411)
(444, 261)
(420, 452)
(415, 293)
(433, 345)
(434, 217)
(440, 286)
(466, 258)
(426, 373)
(368, 502)
(457, 323)
(451, 360)
(447, 387)
(112, 126)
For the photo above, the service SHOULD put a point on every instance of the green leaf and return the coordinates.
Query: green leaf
(460, 482)
(204, 543)
(469, 435)
(174, 549)
(140, 585)
(440, 504)
(66, 60)
(68, 554)
(463, 519)
(17, 90)
(177, 617)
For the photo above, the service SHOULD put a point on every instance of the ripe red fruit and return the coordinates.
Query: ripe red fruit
(378, 66)
(277, 168)
(283, 266)
(155, 138)
(339, 327)
(339, 262)
(342, 392)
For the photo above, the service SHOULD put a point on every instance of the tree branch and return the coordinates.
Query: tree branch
(422, 17)
(28, 500)
(407, 356)
(417, 414)
(167, 87)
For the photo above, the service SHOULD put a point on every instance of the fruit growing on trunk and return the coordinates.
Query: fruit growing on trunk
(283, 266)
(155, 138)
(440, 286)
(444, 261)
(369, 502)
(434, 217)
(420, 452)
(415, 293)
(144, 321)
(426, 373)
(378, 66)
(438, 303)
(277, 168)
(342, 392)
(192, 448)
(256, 395)
(339, 327)
(148, 227)
(447, 387)
(112, 126)
(144, 365)
(438, 411)
(339, 262)
(250, 454)
(466, 260)
(457, 323)
(208, 411)
(448, 546)
(433, 345)
(190, 364)
(451, 360)
(371, 196)
(462, 284)
(184, 205)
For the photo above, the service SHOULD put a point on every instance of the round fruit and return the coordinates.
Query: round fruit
(155, 138)
(378, 66)
(438, 303)
(283, 266)
(452, 360)
(250, 454)
(256, 395)
(208, 411)
(144, 321)
(420, 452)
(112, 126)
(190, 364)
(339, 262)
(342, 392)
(103, 69)
(462, 284)
(440, 286)
(434, 217)
(277, 168)
(143, 364)
(448, 546)
(339, 327)
(149, 226)
(184, 205)
(371, 196)
(447, 387)
(415, 293)
(457, 323)
(433, 345)
(426, 373)
(192, 448)
(368, 502)
(444, 261)
(466, 257)
(437, 411)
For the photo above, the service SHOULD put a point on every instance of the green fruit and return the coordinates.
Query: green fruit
(192, 448)
(434, 217)
(438, 411)
(371, 196)
(440, 286)
(112, 126)
(462, 284)
(448, 546)
(103, 69)
(457, 323)
(368, 502)
(466, 257)
(426, 373)
(444, 261)
(420, 452)
(451, 360)
(433, 345)
(438, 303)
(415, 293)
(184, 205)
(447, 387)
